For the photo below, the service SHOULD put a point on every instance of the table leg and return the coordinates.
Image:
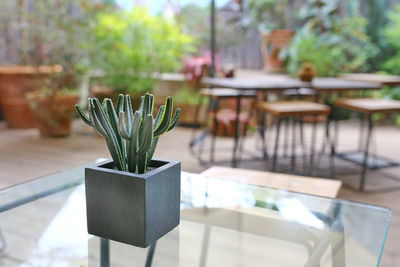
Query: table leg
(237, 127)
(104, 252)
(3, 243)
(150, 255)
(204, 246)
(366, 153)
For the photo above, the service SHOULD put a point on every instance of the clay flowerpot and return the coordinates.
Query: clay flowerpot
(306, 73)
(53, 115)
(271, 45)
(189, 113)
(15, 82)
(135, 209)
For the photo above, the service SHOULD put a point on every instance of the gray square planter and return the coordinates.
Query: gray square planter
(135, 209)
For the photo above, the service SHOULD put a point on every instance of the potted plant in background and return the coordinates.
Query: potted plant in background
(274, 23)
(332, 40)
(49, 42)
(133, 47)
(193, 108)
(53, 106)
(15, 82)
(134, 198)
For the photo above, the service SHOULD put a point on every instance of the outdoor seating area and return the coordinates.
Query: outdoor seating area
(199, 133)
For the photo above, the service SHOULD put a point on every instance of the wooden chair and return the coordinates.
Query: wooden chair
(293, 110)
(367, 107)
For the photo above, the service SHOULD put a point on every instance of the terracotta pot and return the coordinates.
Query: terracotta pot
(15, 82)
(54, 115)
(271, 45)
(226, 119)
(17, 114)
(188, 114)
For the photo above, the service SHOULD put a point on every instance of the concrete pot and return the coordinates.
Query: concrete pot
(135, 209)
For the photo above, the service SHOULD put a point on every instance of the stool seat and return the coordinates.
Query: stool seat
(292, 108)
(369, 105)
(226, 92)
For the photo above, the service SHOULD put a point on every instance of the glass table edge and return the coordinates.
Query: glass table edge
(75, 176)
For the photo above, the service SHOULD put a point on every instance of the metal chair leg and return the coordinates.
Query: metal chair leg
(237, 134)
(213, 137)
(286, 138)
(261, 131)
(293, 156)
(333, 146)
(329, 142)
(275, 156)
(312, 148)
(361, 135)
(304, 148)
(366, 153)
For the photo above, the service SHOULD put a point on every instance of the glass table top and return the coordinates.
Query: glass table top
(223, 223)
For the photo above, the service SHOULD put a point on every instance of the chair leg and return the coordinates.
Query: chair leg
(329, 145)
(261, 131)
(366, 153)
(312, 147)
(361, 134)
(286, 138)
(215, 130)
(333, 147)
(237, 128)
(303, 146)
(293, 156)
(275, 156)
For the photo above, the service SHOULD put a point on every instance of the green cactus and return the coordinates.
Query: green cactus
(131, 137)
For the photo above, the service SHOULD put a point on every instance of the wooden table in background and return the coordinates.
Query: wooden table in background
(389, 80)
(280, 83)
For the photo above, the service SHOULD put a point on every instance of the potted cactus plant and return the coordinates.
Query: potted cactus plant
(132, 198)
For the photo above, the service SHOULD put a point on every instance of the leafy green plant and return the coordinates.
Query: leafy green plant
(187, 96)
(132, 47)
(131, 137)
(392, 33)
(267, 15)
(332, 43)
(47, 33)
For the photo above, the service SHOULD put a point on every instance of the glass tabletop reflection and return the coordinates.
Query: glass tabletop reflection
(223, 223)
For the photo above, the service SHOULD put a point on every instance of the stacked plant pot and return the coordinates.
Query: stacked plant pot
(15, 82)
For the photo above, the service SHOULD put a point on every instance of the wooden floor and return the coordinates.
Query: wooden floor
(24, 156)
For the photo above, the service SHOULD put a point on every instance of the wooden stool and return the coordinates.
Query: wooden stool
(292, 109)
(368, 107)
(215, 95)
(295, 183)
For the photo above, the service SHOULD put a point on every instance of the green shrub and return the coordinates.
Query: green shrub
(392, 35)
(344, 48)
(132, 47)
